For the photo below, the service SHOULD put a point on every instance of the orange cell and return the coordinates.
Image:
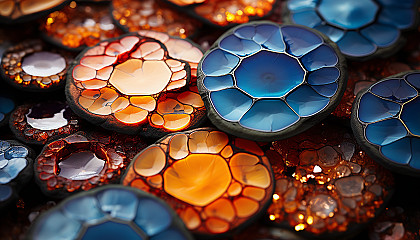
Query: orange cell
(245, 207)
(14, 9)
(150, 162)
(191, 218)
(247, 170)
(179, 147)
(221, 208)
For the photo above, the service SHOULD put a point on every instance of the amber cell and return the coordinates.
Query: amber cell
(81, 162)
(186, 2)
(325, 184)
(79, 25)
(154, 15)
(35, 66)
(138, 80)
(214, 183)
(14, 9)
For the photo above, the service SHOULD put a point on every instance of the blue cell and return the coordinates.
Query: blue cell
(269, 116)
(411, 116)
(268, 74)
(399, 151)
(1, 117)
(4, 146)
(219, 63)
(16, 152)
(323, 56)
(218, 83)
(324, 76)
(111, 231)
(415, 153)
(12, 169)
(385, 132)
(57, 226)
(241, 47)
(398, 17)
(245, 32)
(306, 102)
(118, 203)
(348, 14)
(297, 5)
(414, 79)
(270, 37)
(308, 18)
(231, 104)
(333, 33)
(152, 217)
(171, 234)
(372, 108)
(300, 41)
(353, 44)
(6, 105)
(394, 89)
(403, 3)
(327, 90)
(381, 35)
(84, 209)
(5, 192)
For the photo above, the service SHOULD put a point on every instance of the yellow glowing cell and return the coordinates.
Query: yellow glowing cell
(157, 119)
(230, 17)
(227, 152)
(247, 170)
(310, 220)
(198, 179)
(145, 102)
(131, 115)
(150, 162)
(301, 216)
(245, 207)
(221, 208)
(257, 194)
(299, 227)
(235, 189)
(176, 122)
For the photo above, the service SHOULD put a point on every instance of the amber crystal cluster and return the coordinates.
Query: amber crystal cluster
(325, 183)
(80, 162)
(152, 15)
(13, 64)
(80, 25)
(213, 181)
(68, 122)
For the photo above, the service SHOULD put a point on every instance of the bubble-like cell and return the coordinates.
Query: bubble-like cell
(272, 90)
(386, 122)
(215, 183)
(84, 223)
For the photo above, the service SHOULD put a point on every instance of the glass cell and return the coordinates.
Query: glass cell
(300, 41)
(110, 230)
(385, 132)
(306, 102)
(231, 104)
(152, 217)
(372, 108)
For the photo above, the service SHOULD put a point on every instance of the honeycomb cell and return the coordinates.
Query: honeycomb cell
(212, 191)
(134, 84)
(326, 186)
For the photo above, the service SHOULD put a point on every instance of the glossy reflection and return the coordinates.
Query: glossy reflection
(81, 166)
(48, 116)
(43, 64)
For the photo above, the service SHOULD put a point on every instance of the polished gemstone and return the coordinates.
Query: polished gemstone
(43, 64)
(81, 166)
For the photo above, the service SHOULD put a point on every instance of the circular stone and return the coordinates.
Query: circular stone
(43, 64)
(139, 83)
(348, 14)
(110, 212)
(215, 182)
(362, 29)
(83, 161)
(385, 122)
(264, 81)
(41, 122)
(16, 170)
(326, 187)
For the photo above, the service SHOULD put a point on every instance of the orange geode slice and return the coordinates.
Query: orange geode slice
(137, 83)
(215, 182)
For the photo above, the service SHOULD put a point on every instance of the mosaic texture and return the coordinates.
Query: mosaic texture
(39, 123)
(226, 12)
(214, 182)
(79, 25)
(154, 15)
(6, 106)
(15, 170)
(360, 29)
(325, 185)
(264, 81)
(81, 162)
(12, 11)
(385, 118)
(112, 212)
(139, 83)
(34, 66)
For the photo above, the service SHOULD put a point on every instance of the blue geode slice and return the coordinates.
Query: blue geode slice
(362, 28)
(265, 81)
(15, 170)
(386, 121)
(110, 212)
